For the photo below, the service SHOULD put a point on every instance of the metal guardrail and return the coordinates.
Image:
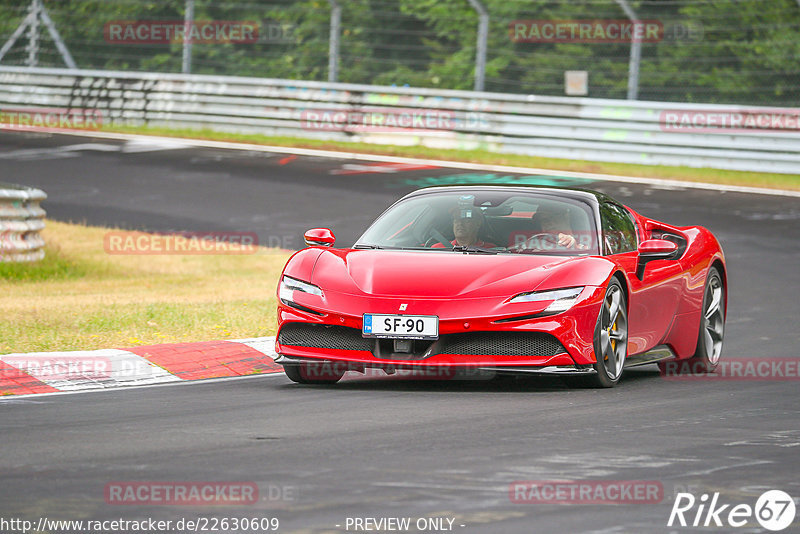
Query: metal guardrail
(21, 219)
(557, 127)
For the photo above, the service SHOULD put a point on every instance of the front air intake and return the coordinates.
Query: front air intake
(501, 344)
(323, 337)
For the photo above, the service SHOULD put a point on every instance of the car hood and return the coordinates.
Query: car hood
(428, 274)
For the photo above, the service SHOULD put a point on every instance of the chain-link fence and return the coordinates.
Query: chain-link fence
(721, 51)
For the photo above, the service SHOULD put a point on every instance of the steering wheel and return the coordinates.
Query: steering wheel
(438, 238)
(542, 237)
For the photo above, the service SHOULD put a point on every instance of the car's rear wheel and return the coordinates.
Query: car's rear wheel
(712, 330)
(313, 373)
(610, 338)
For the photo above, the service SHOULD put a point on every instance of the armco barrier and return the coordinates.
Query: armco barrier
(21, 219)
(559, 127)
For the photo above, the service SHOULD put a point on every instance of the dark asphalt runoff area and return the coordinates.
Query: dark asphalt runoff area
(379, 448)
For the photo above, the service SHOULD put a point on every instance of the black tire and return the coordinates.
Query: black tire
(710, 334)
(314, 373)
(610, 339)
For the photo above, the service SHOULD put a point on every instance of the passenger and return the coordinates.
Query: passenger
(556, 222)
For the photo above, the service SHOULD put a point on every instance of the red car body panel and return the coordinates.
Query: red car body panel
(470, 293)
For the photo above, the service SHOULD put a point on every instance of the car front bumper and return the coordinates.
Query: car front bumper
(561, 343)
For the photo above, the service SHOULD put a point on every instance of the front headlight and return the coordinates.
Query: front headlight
(289, 285)
(563, 299)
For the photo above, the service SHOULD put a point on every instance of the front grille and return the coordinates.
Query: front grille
(323, 337)
(473, 343)
(501, 344)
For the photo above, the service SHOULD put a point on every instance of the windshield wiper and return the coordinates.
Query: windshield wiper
(361, 245)
(475, 250)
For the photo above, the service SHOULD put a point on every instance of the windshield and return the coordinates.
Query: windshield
(486, 222)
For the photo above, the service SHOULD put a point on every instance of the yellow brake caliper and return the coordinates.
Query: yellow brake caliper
(613, 341)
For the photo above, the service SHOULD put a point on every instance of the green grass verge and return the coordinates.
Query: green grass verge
(54, 266)
(81, 298)
(714, 176)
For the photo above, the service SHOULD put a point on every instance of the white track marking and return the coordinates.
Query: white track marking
(264, 345)
(152, 145)
(95, 369)
(35, 396)
(447, 164)
(132, 146)
(68, 151)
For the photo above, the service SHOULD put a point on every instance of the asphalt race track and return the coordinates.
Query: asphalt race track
(374, 447)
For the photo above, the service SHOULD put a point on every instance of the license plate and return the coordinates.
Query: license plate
(401, 326)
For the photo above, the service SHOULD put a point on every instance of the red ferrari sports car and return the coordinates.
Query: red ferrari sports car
(509, 279)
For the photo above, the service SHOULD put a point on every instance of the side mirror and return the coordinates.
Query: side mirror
(319, 237)
(654, 249)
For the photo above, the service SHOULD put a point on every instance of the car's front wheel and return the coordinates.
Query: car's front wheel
(712, 330)
(611, 338)
(313, 373)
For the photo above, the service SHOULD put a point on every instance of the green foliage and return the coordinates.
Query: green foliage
(739, 51)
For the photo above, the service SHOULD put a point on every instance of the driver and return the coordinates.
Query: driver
(466, 224)
(555, 221)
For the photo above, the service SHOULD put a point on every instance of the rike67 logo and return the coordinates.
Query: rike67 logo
(774, 510)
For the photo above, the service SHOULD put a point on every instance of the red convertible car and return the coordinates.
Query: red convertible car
(509, 279)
